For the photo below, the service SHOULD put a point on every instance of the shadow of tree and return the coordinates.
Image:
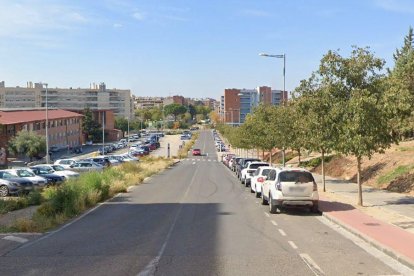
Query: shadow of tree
(369, 172)
(402, 184)
(334, 206)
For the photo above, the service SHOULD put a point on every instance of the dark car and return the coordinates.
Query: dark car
(52, 179)
(242, 164)
(146, 149)
(11, 184)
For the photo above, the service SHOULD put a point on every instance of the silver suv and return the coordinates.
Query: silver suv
(290, 187)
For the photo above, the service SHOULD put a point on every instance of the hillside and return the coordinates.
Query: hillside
(392, 170)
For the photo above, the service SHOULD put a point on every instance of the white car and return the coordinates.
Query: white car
(86, 166)
(59, 170)
(66, 163)
(38, 181)
(248, 171)
(258, 178)
(290, 187)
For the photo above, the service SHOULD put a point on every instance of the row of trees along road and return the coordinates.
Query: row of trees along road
(350, 105)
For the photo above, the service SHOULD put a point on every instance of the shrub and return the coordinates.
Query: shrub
(315, 162)
(388, 177)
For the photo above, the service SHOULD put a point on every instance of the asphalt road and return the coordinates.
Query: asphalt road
(193, 219)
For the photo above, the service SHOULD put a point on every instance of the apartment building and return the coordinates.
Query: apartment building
(237, 103)
(96, 98)
(147, 102)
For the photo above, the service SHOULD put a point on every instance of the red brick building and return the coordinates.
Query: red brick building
(65, 127)
(231, 112)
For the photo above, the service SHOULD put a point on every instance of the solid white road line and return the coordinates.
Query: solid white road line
(15, 239)
(194, 163)
(311, 264)
(282, 232)
(274, 222)
(293, 244)
(266, 214)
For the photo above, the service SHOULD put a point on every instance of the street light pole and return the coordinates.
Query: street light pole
(103, 132)
(284, 88)
(46, 129)
(128, 129)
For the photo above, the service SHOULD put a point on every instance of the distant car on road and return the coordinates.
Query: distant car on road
(86, 166)
(66, 163)
(196, 152)
(59, 170)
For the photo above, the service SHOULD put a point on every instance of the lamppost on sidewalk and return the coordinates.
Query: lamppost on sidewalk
(284, 84)
(47, 125)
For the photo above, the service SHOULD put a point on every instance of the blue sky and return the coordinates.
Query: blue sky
(192, 48)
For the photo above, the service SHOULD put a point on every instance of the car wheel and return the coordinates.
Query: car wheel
(251, 189)
(4, 191)
(245, 183)
(257, 193)
(272, 207)
(264, 201)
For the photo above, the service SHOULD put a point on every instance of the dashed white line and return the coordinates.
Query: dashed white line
(311, 264)
(194, 163)
(293, 244)
(282, 232)
(266, 214)
(15, 239)
(274, 222)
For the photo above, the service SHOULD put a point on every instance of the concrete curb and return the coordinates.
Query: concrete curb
(385, 249)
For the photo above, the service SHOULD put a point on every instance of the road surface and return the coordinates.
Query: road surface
(193, 219)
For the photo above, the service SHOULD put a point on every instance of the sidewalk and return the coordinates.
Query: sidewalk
(386, 220)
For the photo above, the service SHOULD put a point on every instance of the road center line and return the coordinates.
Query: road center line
(293, 244)
(282, 232)
(274, 222)
(311, 264)
(151, 266)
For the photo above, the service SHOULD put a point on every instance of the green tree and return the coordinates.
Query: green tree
(200, 117)
(121, 123)
(175, 110)
(28, 143)
(365, 127)
(192, 110)
(92, 129)
(399, 87)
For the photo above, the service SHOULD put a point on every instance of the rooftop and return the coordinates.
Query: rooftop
(25, 116)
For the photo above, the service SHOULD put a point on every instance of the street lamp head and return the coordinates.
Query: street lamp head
(263, 55)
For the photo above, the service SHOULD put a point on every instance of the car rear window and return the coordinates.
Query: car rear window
(255, 166)
(265, 172)
(292, 176)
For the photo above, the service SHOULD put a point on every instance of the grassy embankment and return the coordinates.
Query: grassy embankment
(59, 204)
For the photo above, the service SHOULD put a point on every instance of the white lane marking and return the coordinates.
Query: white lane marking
(311, 264)
(193, 163)
(282, 232)
(209, 160)
(193, 159)
(266, 214)
(15, 239)
(151, 266)
(293, 244)
(257, 201)
(274, 222)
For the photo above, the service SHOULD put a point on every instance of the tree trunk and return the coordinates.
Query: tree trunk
(299, 156)
(323, 169)
(270, 158)
(283, 157)
(360, 203)
(263, 155)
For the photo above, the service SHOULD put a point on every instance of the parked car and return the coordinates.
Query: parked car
(101, 160)
(10, 184)
(259, 176)
(66, 163)
(290, 187)
(196, 152)
(248, 171)
(242, 164)
(52, 178)
(86, 166)
(39, 182)
(185, 137)
(58, 170)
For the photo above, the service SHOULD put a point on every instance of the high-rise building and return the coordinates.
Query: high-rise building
(96, 98)
(237, 103)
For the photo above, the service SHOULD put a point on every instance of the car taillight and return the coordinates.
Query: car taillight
(315, 186)
(260, 179)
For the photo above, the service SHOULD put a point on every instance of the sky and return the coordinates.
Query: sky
(192, 48)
